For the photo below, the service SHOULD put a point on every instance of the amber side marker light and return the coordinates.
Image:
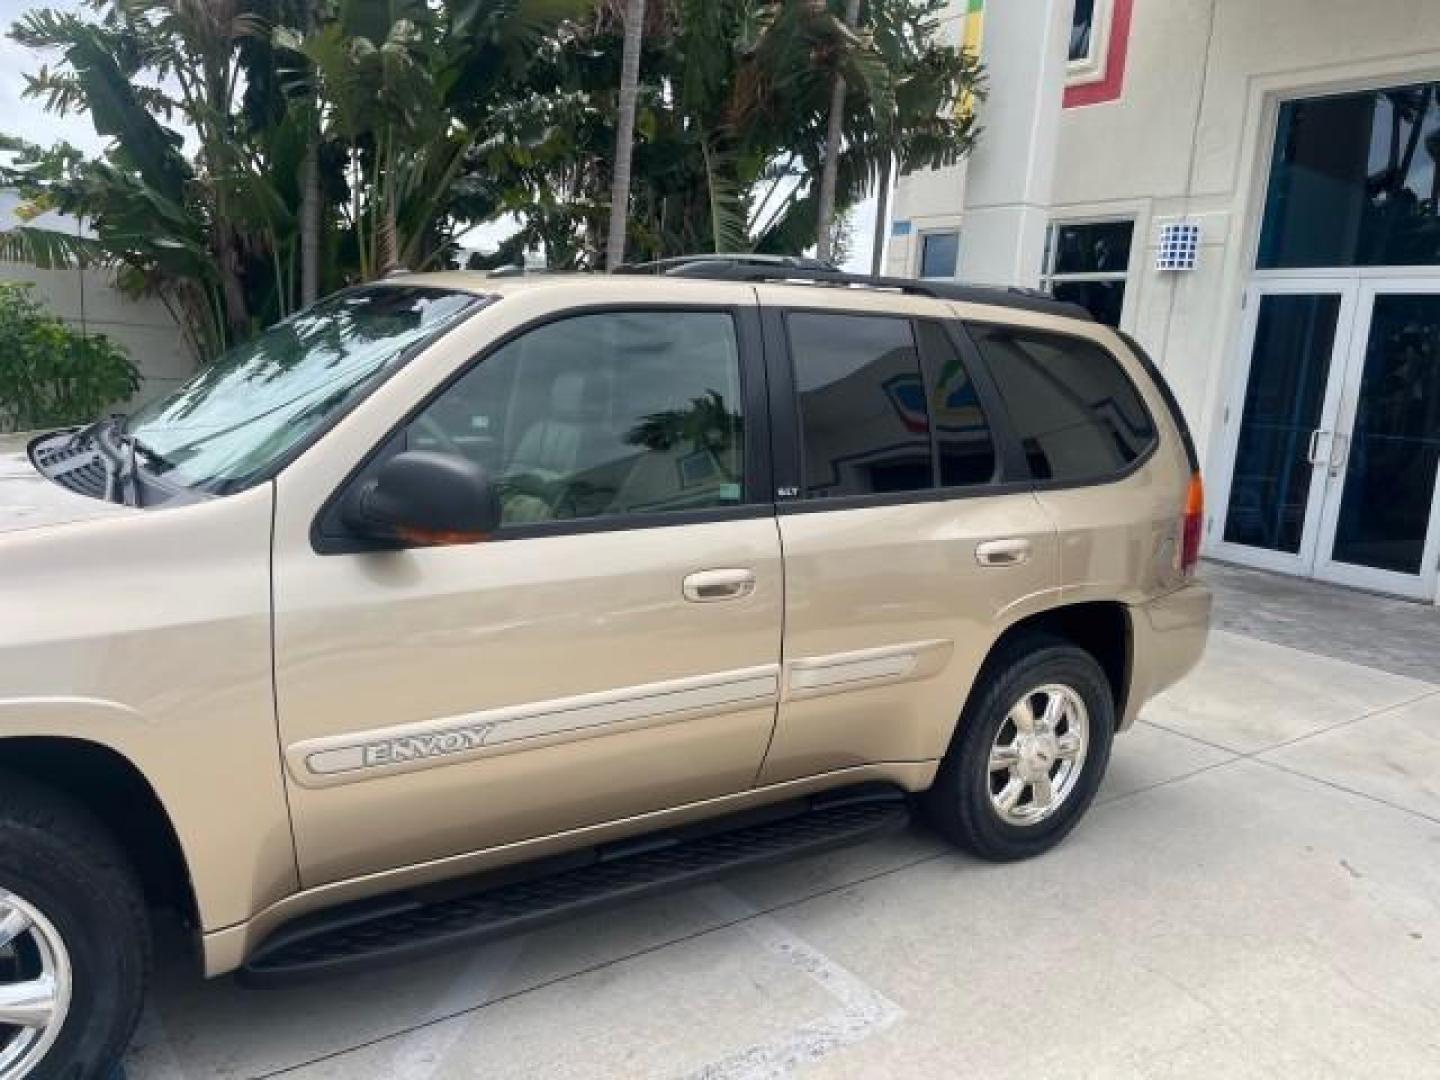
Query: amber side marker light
(1191, 525)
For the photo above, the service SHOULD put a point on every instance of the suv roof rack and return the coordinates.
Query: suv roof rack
(720, 261)
(801, 270)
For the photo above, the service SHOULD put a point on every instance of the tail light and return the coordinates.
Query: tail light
(1191, 525)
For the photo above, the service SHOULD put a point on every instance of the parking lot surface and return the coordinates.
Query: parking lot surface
(1256, 893)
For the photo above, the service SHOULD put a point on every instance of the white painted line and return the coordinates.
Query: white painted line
(421, 1054)
(863, 1009)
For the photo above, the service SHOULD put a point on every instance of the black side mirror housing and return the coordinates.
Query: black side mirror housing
(420, 497)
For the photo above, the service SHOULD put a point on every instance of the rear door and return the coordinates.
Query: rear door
(910, 538)
(1114, 489)
(612, 651)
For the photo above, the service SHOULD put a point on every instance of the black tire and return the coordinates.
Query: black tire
(62, 862)
(959, 803)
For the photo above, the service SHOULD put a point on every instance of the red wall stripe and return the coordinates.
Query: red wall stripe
(1117, 49)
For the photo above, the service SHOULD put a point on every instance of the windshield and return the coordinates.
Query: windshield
(243, 413)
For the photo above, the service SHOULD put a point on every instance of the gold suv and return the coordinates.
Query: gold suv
(505, 599)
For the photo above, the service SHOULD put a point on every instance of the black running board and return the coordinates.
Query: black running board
(410, 925)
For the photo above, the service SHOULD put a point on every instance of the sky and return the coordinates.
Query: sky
(28, 120)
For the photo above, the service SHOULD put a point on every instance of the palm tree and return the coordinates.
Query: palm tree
(625, 133)
(829, 174)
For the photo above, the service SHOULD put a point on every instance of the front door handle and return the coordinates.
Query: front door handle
(707, 586)
(1011, 552)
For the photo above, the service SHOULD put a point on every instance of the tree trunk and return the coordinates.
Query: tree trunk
(310, 222)
(882, 212)
(625, 134)
(832, 151)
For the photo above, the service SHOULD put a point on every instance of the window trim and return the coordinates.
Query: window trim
(1035, 483)
(1092, 67)
(1049, 278)
(329, 537)
(787, 431)
(924, 236)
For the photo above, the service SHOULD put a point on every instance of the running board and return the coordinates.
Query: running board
(419, 923)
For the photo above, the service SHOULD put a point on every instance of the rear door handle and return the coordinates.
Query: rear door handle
(707, 586)
(1011, 552)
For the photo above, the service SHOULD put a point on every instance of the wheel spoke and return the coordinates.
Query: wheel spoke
(1010, 794)
(13, 923)
(1068, 745)
(28, 1004)
(1003, 757)
(1054, 712)
(1042, 793)
(1023, 716)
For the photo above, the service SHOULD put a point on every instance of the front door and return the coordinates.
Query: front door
(1336, 433)
(613, 650)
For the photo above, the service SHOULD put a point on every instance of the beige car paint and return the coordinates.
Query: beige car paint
(534, 673)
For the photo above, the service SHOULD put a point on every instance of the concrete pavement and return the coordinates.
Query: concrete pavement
(1257, 892)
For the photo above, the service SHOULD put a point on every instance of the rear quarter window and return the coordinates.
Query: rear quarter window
(1077, 415)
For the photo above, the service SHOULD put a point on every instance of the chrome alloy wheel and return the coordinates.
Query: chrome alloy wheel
(1038, 754)
(35, 984)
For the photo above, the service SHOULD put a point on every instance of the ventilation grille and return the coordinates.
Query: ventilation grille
(77, 467)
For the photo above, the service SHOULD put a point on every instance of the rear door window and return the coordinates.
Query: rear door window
(1078, 416)
(963, 444)
(864, 421)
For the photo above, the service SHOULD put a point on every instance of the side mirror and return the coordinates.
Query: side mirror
(420, 497)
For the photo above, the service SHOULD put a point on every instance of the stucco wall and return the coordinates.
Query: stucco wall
(1189, 138)
(89, 301)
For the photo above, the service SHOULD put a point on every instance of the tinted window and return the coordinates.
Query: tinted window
(939, 254)
(962, 434)
(1354, 181)
(615, 413)
(1082, 29)
(863, 419)
(1077, 414)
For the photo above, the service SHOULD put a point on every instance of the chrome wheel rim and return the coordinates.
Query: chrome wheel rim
(1038, 754)
(35, 981)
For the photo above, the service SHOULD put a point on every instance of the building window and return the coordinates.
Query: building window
(1086, 264)
(1355, 181)
(939, 254)
(1082, 31)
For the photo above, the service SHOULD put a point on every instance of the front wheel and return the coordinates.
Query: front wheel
(74, 940)
(1029, 753)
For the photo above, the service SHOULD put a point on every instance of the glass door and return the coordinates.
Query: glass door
(1281, 422)
(1378, 523)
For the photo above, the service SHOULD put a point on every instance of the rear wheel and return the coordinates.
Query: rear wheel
(1029, 753)
(74, 940)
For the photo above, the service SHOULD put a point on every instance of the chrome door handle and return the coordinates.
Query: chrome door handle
(1011, 552)
(1311, 451)
(707, 586)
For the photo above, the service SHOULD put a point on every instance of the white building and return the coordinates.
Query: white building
(1301, 139)
(89, 302)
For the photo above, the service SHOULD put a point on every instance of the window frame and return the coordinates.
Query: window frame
(924, 238)
(1049, 278)
(1093, 66)
(787, 432)
(328, 535)
(1033, 483)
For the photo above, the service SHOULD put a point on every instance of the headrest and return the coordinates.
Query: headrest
(567, 397)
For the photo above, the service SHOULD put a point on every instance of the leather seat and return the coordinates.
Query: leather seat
(548, 453)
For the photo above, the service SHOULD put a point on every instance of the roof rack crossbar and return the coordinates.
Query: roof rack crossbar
(803, 271)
